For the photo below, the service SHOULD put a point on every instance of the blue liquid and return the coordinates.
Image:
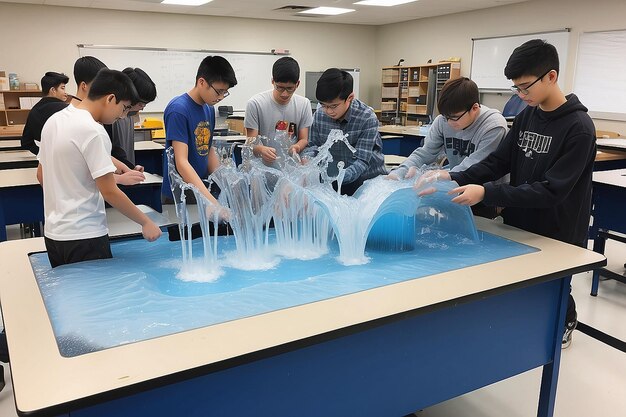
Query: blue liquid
(137, 296)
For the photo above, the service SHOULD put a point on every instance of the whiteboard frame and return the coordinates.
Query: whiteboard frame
(159, 106)
(545, 32)
(615, 116)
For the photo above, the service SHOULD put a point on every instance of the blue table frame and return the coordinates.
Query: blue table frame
(608, 199)
(385, 365)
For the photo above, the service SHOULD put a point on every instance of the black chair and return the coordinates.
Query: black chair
(513, 107)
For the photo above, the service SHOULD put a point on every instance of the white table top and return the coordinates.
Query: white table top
(394, 159)
(17, 156)
(616, 177)
(40, 374)
(120, 225)
(147, 145)
(404, 130)
(28, 176)
(613, 143)
(237, 138)
(11, 143)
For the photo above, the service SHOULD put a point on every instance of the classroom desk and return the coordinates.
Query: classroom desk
(144, 133)
(11, 132)
(17, 159)
(149, 154)
(10, 145)
(401, 140)
(387, 351)
(21, 196)
(609, 194)
(120, 225)
(611, 154)
(393, 160)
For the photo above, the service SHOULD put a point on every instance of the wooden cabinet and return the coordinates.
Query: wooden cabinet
(15, 105)
(409, 94)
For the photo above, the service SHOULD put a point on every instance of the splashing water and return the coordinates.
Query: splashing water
(307, 212)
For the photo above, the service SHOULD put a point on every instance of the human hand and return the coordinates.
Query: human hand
(129, 177)
(267, 154)
(139, 168)
(150, 231)
(223, 213)
(391, 176)
(429, 177)
(411, 172)
(468, 195)
(294, 150)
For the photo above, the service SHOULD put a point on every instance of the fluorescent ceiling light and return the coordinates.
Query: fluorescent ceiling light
(383, 2)
(186, 2)
(329, 11)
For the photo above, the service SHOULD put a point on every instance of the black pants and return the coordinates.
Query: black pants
(61, 252)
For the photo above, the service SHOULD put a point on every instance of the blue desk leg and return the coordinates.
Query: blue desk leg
(599, 243)
(550, 375)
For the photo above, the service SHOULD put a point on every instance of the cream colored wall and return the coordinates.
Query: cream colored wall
(45, 39)
(442, 37)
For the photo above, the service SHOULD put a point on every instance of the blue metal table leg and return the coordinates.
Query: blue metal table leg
(550, 375)
(599, 243)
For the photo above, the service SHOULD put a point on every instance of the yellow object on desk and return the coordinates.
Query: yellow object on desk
(154, 122)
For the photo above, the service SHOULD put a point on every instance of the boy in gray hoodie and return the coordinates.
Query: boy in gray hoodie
(465, 131)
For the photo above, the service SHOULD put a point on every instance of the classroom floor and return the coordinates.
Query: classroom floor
(592, 379)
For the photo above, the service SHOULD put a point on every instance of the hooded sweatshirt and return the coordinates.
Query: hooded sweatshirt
(463, 148)
(550, 158)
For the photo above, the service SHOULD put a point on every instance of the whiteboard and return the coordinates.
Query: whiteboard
(490, 55)
(600, 81)
(174, 71)
(312, 77)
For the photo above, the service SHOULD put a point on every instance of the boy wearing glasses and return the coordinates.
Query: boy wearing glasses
(189, 123)
(76, 172)
(268, 110)
(339, 109)
(122, 132)
(465, 130)
(549, 153)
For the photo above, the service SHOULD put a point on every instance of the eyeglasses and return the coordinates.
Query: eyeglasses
(289, 90)
(127, 107)
(330, 106)
(524, 90)
(223, 93)
(456, 118)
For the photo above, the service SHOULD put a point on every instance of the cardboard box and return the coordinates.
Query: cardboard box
(4, 83)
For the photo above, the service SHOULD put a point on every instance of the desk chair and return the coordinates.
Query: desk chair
(513, 107)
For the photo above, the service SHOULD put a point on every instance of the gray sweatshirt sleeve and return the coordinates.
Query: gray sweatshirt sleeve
(426, 154)
(488, 143)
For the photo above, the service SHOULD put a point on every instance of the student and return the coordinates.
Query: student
(122, 132)
(76, 173)
(549, 153)
(85, 70)
(465, 130)
(189, 123)
(53, 89)
(339, 109)
(266, 110)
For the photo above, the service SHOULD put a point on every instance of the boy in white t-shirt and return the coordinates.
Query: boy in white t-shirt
(76, 173)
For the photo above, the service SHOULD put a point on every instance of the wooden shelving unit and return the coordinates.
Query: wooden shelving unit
(11, 111)
(409, 94)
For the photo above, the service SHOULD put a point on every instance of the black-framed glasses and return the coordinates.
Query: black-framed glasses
(223, 93)
(127, 107)
(281, 89)
(456, 118)
(524, 90)
(331, 106)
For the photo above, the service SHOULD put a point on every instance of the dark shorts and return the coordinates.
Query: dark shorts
(61, 252)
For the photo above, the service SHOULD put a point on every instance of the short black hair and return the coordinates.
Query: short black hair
(109, 81)
(535, 57)
(146, 89)
(216, 69)
(334, 83)
(286, 70)
(457, 95)
(52, 79)
(86, 68)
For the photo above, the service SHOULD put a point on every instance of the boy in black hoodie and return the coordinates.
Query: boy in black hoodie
(549, 153)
